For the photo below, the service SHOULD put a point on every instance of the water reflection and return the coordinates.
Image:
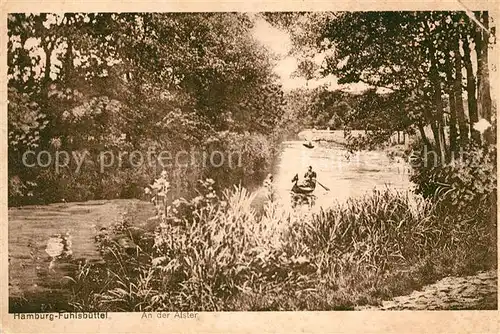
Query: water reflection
(58, 246)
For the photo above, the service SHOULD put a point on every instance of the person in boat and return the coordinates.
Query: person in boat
(310, 177)
(307, 185)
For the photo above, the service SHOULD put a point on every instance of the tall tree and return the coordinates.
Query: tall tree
(481, 39)
(418, 55)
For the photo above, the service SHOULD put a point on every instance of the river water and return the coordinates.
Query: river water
(345, 175)
(36, 282)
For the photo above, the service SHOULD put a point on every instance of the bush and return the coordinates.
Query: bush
(252, 156)
(467, 182)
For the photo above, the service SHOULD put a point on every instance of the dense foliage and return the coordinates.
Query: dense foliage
(88, 83)
(318, 108)
(199, 80)
(419, 57)
(422, 60)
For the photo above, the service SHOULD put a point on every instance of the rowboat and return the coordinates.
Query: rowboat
(301, 194)
(302, 189)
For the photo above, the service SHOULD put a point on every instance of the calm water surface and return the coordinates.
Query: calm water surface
(345, 175)
(34, 232)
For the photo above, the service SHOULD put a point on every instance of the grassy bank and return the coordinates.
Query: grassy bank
(216, 253)
(238, 157)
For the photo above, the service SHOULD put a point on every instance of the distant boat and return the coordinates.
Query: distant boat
(309, 145)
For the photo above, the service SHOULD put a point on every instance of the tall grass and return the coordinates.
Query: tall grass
(217, 253)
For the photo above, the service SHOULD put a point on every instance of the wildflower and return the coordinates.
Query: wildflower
(197, 200)
(300, 260)
(56, 142)
(147, 191)
(158, 260)
(80, 111)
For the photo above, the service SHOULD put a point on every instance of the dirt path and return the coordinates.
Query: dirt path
(478, 292)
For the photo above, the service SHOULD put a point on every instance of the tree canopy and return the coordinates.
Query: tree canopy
(93, 81)
(424, 60)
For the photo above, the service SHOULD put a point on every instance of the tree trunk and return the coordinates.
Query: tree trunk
(438, 123)
(68, 61)
(426, 141)
(453, 121)
(459, 103)
(48, 64)
(471, 90)
(450, 82)
(483, 82)
(438, 144)
(438, 128)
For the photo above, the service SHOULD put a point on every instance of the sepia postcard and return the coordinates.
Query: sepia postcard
(257, 166)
